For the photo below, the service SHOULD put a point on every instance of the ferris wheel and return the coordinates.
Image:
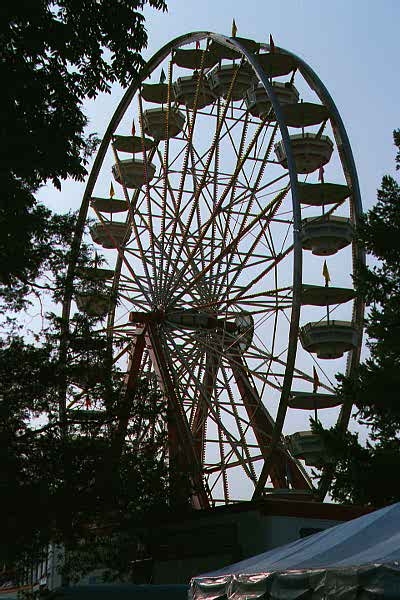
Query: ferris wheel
(228, 232)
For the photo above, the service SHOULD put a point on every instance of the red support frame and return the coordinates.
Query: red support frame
(284, 468)
(182, 445)
(201, 413)
(129, 389)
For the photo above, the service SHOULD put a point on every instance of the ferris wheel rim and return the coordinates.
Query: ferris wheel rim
(152, 64)
(297, 270)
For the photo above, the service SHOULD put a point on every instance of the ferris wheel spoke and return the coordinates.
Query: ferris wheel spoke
(214, 214)
(171, 243)
(227, 250)
(274, 333)
(202, 158)
(225, 346)
(245, 215)
(255, 297)
(262, 351)
(139, 256)
(263, 427)
(198, 211)
(194, 360)
(247, 256)
(158, 201)
(270, 243)
(228, 213)
(150, 223)
(259, 151)
(165, 160)
(203, 181)
(211, 409)
(186, 158)
(245, 195)
(261, 162)
(234, 464)
(213, 238)
(190, 358)
(168, 236)
(209, 197)
(168, 241)
(184, 228)
(126, 262)
(251, 298)
(259, 419)
(133, 286)
(223, 464)
(239, 152)
(199, 420)
(166, 183)
(239, 424)
(231, 410)
(262, 274)
(197, 407)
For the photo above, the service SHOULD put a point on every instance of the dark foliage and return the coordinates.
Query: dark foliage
(54, 483)
(57, 487)
(367, 474)
(53, 56)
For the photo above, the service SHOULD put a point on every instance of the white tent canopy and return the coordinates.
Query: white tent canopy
(349, 559)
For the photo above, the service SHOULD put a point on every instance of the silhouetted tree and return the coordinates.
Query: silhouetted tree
(367, 474)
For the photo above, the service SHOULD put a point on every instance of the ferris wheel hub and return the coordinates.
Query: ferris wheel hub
(191, 319)
(236, 331)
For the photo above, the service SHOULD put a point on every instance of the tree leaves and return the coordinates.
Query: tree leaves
(366, 473)
(64, 479)
(55, 55)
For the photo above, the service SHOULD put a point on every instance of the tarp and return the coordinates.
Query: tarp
(358, 559)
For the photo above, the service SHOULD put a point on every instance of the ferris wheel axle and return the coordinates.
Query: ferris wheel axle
(187, 319)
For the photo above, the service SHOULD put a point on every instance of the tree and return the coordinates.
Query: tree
(65, 471)
(54, 55)
(64, 479)
(366, 474)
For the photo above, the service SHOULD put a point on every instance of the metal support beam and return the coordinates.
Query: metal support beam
(284, 467)
(183, 448)
(200, 416)
(128, 392)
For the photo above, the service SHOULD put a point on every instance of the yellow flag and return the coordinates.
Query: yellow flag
(316, 380)
(325, 273)
(112, 192)
(234, 28)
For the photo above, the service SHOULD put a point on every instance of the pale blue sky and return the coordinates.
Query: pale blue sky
(353, 46)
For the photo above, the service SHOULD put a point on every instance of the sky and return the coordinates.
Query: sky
(352, 45)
